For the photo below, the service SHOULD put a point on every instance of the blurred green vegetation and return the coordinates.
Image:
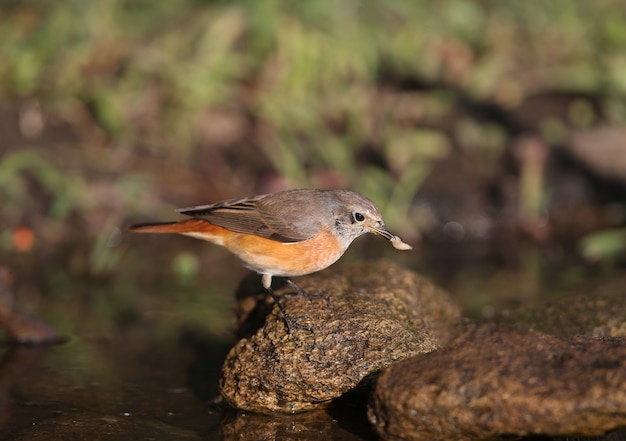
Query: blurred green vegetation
(151, 96)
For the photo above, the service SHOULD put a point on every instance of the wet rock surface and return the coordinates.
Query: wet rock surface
(496, 380)
(601, 312)
(365, 317)
(20, 326)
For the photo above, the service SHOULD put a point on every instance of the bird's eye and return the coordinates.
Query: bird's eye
(358, 217)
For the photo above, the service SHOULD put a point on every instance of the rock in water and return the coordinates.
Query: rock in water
(368, 316)
(496, 381)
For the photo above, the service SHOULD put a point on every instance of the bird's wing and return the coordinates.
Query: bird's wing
(253, 216)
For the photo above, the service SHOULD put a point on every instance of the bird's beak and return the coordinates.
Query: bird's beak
(395, 240)
(381, 231)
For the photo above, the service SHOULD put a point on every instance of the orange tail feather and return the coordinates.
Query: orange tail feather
(182, 227)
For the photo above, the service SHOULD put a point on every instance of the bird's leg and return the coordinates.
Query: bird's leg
(299, 291)
(290, 322)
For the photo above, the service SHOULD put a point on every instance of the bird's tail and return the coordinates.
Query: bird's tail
(197, 228)
(182, 227)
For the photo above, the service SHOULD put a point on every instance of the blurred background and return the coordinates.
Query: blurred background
(486, 131)
(490, 133)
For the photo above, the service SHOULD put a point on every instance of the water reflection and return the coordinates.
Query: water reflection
(15, 363)
(319, 425)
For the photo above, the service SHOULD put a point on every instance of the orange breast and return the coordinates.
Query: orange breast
(286, 259)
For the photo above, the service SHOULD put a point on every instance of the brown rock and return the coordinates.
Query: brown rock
(497, 381)
(20, 326)
(598, 312)
(375, 314)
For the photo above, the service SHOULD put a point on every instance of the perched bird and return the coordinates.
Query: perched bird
(285, 234)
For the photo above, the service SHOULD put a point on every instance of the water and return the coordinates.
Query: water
(132, 376)
(142, 359)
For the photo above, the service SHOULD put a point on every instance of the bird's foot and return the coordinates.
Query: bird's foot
(308, 295)
(293, 324)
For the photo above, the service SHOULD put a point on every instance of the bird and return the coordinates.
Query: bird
(286, 234)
